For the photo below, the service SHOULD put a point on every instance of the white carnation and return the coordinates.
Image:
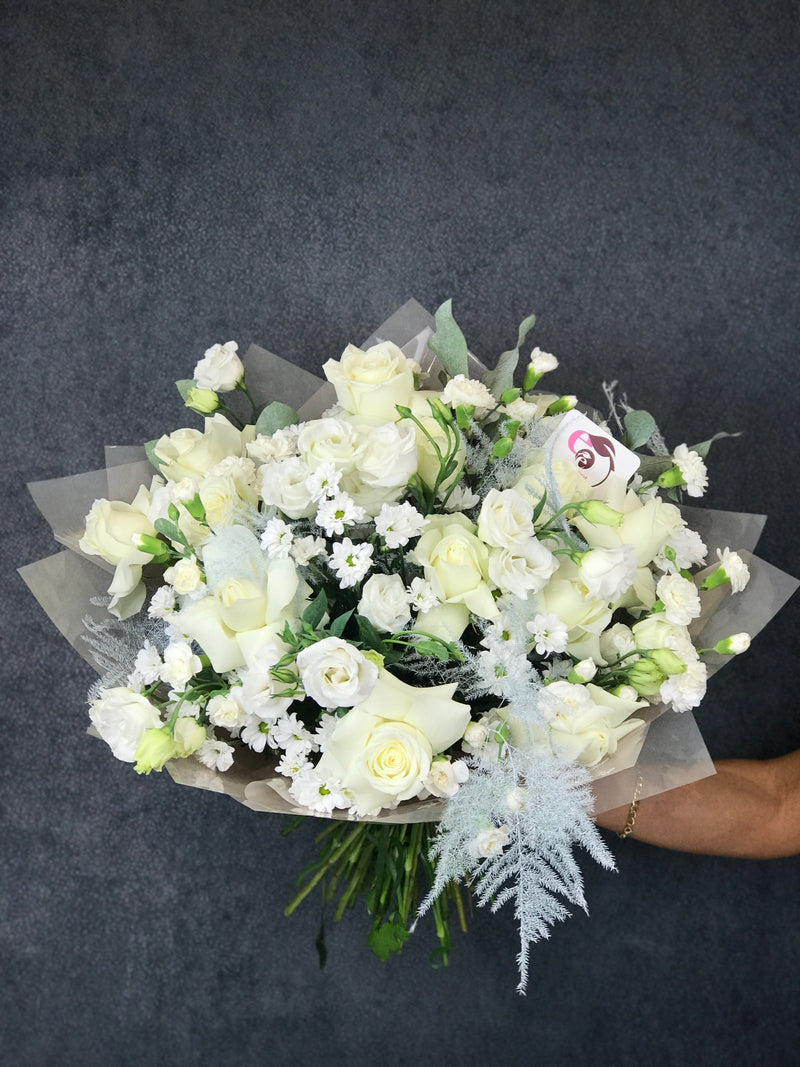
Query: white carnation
(736, 569)
(693, 470)
(680, 599)
(467, 392)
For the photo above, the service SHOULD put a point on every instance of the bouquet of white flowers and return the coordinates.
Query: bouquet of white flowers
(438, 607)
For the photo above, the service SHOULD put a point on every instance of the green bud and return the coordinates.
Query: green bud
(154, 547)
(670, 478)
(598, 513)
(195, 508)
(666, 661)
(403, 412)
(155, 749)
(716, 578)
(203, 401)
(645, 677)
(511, 428)
(464, 415)
(510, 395)
(531, 379)
(564, 403)
(502, 447)
(374, 657)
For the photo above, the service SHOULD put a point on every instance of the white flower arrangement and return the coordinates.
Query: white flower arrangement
(439, 595)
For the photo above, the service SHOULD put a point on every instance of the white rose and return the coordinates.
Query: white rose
(427, 459)
(446, 777)
(185, 576)
(565, 598)
(335, 674)
(283, 485)
(380, 751)
(647, 527)
(506, 519)
(374, 382)
(522, 569)
(220, 368)
(180, 663)
(467, 392)
(456, 563)
(242, 603)
(384, 601)
(188, 453)
(585, 723)
(680, 599)
(328, 441)
(122, 717)
(447, 621)
(607, 573)
(224, 711)
(387, 455)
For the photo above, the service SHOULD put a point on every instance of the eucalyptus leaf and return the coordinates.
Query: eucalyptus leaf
(183, 387)
(274, 417)
(448, 342)
(499, 380)
(639, 428)
(149, 449)
(651, 466)
(704, 446)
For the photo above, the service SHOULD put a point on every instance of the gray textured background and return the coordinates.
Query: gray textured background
(176, 174)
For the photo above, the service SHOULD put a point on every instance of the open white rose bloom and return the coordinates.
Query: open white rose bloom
(454, 616)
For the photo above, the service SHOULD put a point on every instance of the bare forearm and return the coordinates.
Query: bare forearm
(748, 809)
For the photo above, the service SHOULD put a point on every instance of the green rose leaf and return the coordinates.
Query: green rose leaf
(449, 343)
(274, 417)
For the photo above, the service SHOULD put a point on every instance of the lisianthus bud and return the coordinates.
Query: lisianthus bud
(666, 661)
(583, 672)
(203, 401)
(598, 513)
(189, 735)
(733, 645)
(155, 748)
(646, 677)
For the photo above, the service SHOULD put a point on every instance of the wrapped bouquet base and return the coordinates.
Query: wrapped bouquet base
(454, 615)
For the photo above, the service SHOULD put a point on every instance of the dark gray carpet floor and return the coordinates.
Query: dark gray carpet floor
(180, 173)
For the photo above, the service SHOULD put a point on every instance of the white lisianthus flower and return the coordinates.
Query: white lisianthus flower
(490, 842)
(257, 694)
(335, 674)
(283, 485)
(217, 755)
(505, 519)
(693, 470)
(735, 569)
(374, 382)
(304, 549)
(220, 368)
(384, 601)
(522, 569)
(460, 499)
(680, 599)
(467, 392)
(336, 512)
(122, 717)
(186, 577)
(277, 539)
(549, 633)
(350, 562)
(607, 573)
(180, 664)
(445, 777)
(616, 642)
(226, 712)
(398, 523)
(422, 595)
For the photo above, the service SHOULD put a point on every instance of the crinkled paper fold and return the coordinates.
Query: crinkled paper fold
(666, 752)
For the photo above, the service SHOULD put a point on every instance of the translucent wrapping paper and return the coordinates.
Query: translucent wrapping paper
(666, 752)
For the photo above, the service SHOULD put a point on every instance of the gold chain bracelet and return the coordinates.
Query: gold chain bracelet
(633, 810)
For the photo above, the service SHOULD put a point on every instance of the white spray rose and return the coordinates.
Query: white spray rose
(284, 485)
(335, 674)
(122, 717)
(387, 455)
(188, 453)
(185, 576)
(384, 601)
(180, 663)
(525, 568)
(220, 368)
(445, 777)
(490, 842)
(506, 519)
(374, 382)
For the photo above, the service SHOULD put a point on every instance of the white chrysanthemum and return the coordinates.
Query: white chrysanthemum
(461, 498)
(736, 569)
(693, 470)
(218, 755)
(255, 733)
(680, 599)
(310, 790)
(290, 734)
(422, 595)
(180, 663)
(324, 481)
(162, 603)
(467, 392)
(334, 513)
(147, 666)
(277, 539)
(398, 523)
(304, 549)
(549, 633)
(293, 763)
(325, 727)
(350, 562)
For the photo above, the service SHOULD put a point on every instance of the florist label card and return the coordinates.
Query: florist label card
(595, 453)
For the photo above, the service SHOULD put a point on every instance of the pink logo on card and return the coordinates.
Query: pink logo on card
(590, 449)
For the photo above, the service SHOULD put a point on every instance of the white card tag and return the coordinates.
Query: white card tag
(594, 453)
